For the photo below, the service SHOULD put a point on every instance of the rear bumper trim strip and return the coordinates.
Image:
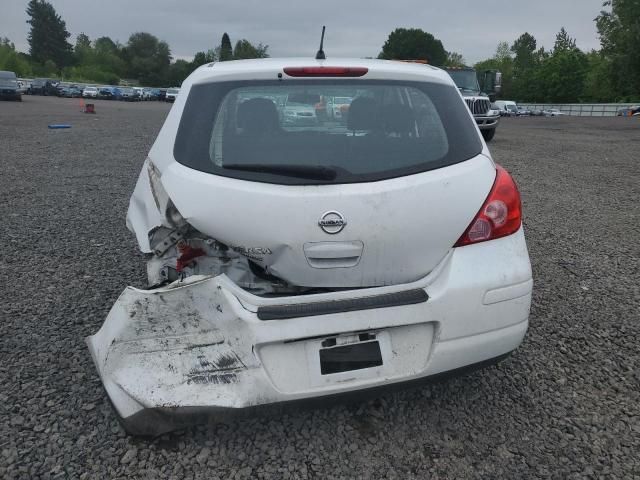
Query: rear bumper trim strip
(282, 312)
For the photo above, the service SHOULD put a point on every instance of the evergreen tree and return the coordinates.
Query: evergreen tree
(83, 41)
(48, 35)
(524, 49)
(564, 42)
(525, 63)
(82, 51)
(226, 51)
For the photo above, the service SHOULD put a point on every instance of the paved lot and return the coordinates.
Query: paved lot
(565, 405)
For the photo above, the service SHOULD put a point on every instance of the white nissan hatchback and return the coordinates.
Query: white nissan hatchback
(302, 256)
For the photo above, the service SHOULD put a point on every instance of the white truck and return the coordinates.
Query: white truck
(479, 102)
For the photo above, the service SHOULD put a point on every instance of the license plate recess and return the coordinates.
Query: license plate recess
(346, 358)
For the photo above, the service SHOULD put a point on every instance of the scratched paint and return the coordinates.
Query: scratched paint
(222, 369)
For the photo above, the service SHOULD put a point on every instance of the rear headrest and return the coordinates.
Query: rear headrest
(398, 119)
(258, 115)
(363, 114)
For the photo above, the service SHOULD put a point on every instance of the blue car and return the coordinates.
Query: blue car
(151, 94)
(110, 93)
(71, 92)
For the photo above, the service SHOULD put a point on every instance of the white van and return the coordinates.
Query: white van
(507, 108)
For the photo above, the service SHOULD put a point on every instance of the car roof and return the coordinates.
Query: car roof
(268, 69)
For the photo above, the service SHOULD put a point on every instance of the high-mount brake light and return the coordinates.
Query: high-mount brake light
(500, 215)
(326, 71)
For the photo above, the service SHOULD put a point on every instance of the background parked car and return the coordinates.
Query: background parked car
(129, 94)
(109, 93)
(171, 95)
(151, 93)
(523, 112)
(299, 110)
(59, 87)
(43, 86)
(553, 112)
(62, 89)
(90, 92)
(493, 110)
(508, 108)
(22, 87)
(9, 86)
(105, 93)
(628, 111)
(71, 92)
(338, 107)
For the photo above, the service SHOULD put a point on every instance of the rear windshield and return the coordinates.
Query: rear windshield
(282, 131)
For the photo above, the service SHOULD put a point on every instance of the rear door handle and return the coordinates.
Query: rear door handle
(333, 254)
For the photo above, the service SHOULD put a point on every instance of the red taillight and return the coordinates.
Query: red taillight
(500, 215)
(326, 71)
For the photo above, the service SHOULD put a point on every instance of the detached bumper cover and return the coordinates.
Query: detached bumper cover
(200, 344)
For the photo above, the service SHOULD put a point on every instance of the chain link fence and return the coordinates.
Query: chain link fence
(582, 109)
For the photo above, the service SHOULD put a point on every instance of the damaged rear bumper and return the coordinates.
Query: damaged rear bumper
(199, 345)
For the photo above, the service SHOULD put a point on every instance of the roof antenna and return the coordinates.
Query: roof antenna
(320, 55)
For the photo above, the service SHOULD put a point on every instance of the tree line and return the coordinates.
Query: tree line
(144, 58)
(566, 74)
(563, 74)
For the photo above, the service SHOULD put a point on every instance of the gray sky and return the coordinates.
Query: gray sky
(355, 28)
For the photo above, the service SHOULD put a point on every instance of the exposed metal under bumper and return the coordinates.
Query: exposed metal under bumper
(281, 312)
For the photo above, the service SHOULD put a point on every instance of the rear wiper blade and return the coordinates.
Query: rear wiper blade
(299, 171)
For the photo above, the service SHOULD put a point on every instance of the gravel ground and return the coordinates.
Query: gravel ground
(565, 405)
